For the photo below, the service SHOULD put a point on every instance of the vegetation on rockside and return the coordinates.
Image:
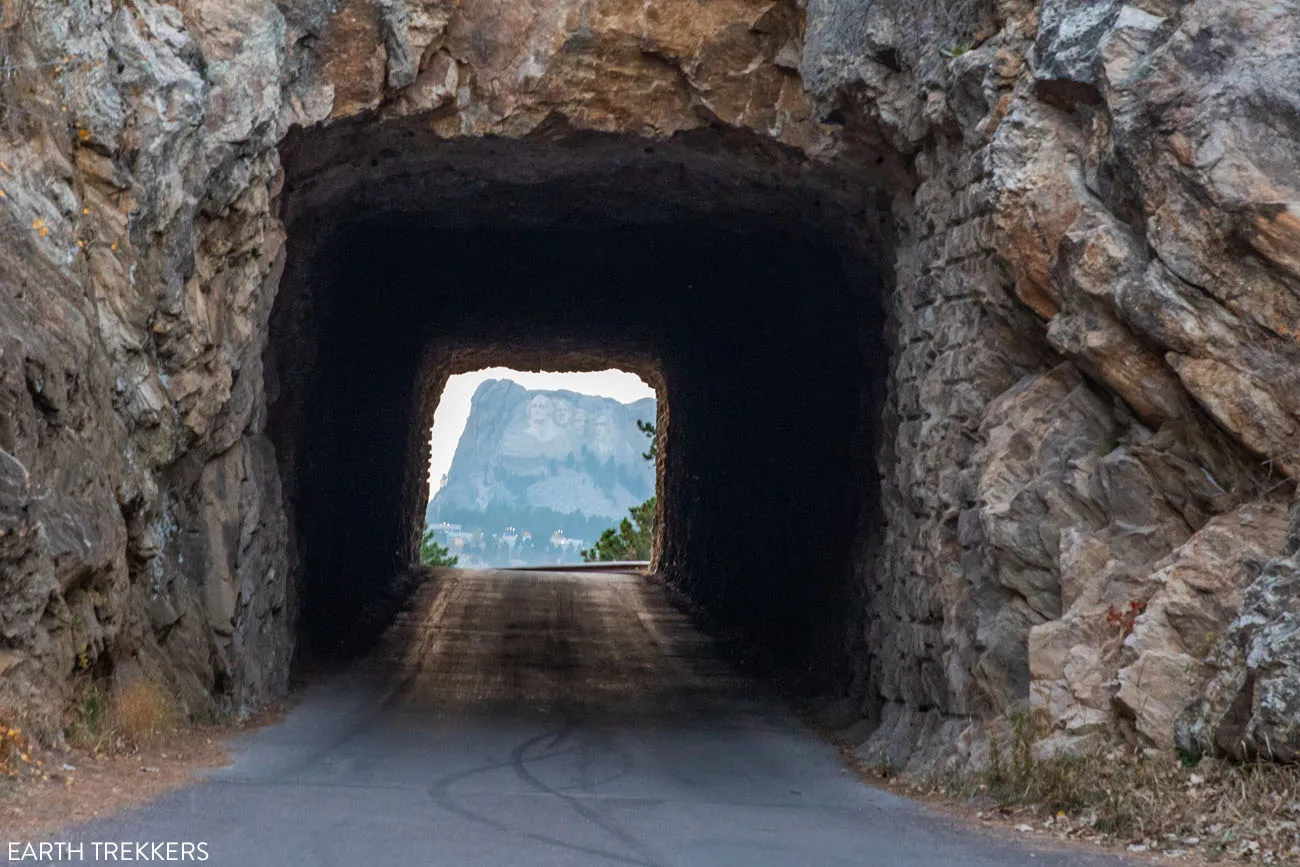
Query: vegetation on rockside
(100, 719)
(1148, 800)
(633, 539)
(433, 554)
(16, 759)
(106, 718)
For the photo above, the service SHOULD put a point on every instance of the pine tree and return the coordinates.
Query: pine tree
(433, 554)
(634, 539)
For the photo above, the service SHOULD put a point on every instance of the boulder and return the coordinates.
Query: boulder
(1250, 708)
(1196, 593)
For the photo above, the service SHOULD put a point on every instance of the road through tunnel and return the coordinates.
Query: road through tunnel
(736, 278)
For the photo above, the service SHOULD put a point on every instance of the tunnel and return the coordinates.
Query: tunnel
(742, 282)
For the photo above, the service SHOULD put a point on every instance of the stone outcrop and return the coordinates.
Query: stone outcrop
(1108, 167)
(1250, 708)
(1131, 644)
(1092, 303)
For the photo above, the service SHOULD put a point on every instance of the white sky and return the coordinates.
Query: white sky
(453, 409)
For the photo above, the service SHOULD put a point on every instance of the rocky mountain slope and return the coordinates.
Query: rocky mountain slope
(525, 450)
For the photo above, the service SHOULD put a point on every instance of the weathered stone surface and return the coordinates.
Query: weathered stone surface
(1206, 176)
(1250, 709)
(1097, 257)
(1129, 610)
(1197, 591)
(1043, 439)
(1080, 128)
(63, 537)
(1066, 51)
(1036, 157)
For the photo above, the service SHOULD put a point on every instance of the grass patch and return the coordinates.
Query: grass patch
(1151, 800)
(127, 717)
(140, 711)
(1148, 800)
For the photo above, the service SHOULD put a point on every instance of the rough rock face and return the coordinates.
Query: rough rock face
(1120, 171)
(1250, 708)
(524, 449)
(1093, 391)
(1131, 644)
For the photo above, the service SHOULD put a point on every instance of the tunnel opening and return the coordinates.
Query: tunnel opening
(530, 468)
(736, 278)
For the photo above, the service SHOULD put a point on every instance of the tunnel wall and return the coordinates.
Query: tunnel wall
(765, 451)
(1090, 314)
(1065, 438)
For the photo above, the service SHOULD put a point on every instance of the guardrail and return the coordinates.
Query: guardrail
(593, 566)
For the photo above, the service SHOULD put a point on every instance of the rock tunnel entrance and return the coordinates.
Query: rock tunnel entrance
(736, 279)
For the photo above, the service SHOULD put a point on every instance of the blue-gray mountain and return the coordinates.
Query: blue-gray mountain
(541, 461)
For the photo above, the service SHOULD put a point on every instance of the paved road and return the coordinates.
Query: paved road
(548, 719)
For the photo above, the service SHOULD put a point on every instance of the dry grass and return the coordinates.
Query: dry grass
(1145, 801)
(129, 716)
(1154, 803)
(1148, 800)
(140, 711)
(79, 785)
(124, 746)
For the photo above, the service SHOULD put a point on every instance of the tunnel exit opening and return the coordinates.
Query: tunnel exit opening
(736, 280)
(531, 468)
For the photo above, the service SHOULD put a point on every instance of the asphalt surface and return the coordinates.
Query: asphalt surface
(548, 719)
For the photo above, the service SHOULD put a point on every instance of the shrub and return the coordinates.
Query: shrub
(128, 716)
(140, 710)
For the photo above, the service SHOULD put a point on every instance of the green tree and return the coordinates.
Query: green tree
(634, 539)
(433, 554)
(648, 429)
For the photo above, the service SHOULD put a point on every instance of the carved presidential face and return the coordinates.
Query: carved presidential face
(604, 428)
(539, 409)
(580, 421)
(563, 413)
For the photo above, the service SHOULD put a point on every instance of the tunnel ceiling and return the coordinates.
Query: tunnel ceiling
(727, 175)
(732, 273)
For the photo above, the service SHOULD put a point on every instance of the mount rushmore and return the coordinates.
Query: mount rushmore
(541, 461)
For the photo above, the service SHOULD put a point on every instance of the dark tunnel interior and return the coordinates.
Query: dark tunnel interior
(762, 335)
